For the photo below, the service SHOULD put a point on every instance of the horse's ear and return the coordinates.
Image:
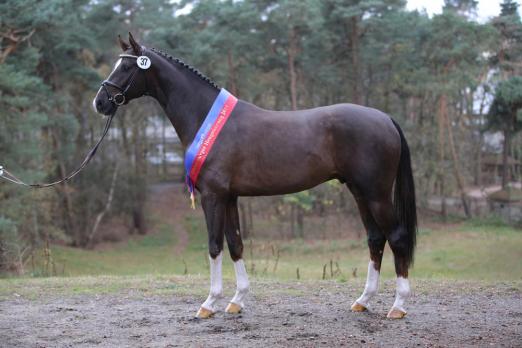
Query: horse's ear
(135, 46)
(124, 46)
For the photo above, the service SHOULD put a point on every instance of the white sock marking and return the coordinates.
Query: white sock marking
(371, 287)
(216, 283)
(402, 293)
(242, 283)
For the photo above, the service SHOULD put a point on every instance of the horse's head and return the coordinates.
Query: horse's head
(127, 80)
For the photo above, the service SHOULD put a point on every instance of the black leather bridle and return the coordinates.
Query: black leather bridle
(120, 97)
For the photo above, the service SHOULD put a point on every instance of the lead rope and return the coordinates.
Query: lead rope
(11, 178)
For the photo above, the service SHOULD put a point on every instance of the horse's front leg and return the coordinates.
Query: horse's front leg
(215, 208)
(235, 247)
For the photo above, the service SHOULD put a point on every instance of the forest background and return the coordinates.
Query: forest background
(452, 83)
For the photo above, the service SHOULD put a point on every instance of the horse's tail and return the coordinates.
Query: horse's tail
(404, 197)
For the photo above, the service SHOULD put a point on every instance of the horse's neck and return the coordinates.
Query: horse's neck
(185, 98)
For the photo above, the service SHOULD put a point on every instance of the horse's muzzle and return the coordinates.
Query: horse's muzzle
(103, 105)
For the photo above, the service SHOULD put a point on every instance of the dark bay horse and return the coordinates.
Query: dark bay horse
(262, 152)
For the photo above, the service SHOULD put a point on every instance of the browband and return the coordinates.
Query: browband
(128, 56)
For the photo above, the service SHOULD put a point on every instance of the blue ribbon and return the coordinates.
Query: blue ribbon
(202, 133)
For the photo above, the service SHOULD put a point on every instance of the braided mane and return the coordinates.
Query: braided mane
(186, 66)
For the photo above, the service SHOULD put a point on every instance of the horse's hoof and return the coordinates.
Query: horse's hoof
(395, 313)
(204, 313)
(357, 307)
(233, 308)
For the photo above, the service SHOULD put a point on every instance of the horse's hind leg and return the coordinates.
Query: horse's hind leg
(235, 247)
(376, 242)
(384, 214)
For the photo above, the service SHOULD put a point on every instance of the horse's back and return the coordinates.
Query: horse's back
(277, 152)
(346, 116)
(346, 125)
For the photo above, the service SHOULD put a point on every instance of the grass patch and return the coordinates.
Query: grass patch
(33, 288)
(469, 251)
(489, 223)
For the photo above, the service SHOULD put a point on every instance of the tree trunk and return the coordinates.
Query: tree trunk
(64, 189)
(124, 137)
(232, 78)
(354, 52)
(250, 216)
(65, 192)
(105, 210)
(505, 157)
(455, 158)
(245, 231)
(164, 168)
(478, 167)
(342, 200)
(292, 219)
(440, 175)
(300, 221)
(138, 214)
(291, 53)
(387, 91)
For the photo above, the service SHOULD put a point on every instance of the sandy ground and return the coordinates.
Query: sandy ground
(305, 314)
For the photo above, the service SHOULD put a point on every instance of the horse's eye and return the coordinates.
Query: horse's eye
(125, 67)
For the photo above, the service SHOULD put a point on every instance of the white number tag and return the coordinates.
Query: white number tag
(143, 62)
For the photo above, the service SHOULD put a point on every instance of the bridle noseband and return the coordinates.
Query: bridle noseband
(120, 98)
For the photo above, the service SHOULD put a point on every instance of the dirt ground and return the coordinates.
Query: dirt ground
(304, 314)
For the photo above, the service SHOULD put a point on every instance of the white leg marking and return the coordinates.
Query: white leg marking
(242, 283)
(402, 293)
(372, 285)
(216, 283)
